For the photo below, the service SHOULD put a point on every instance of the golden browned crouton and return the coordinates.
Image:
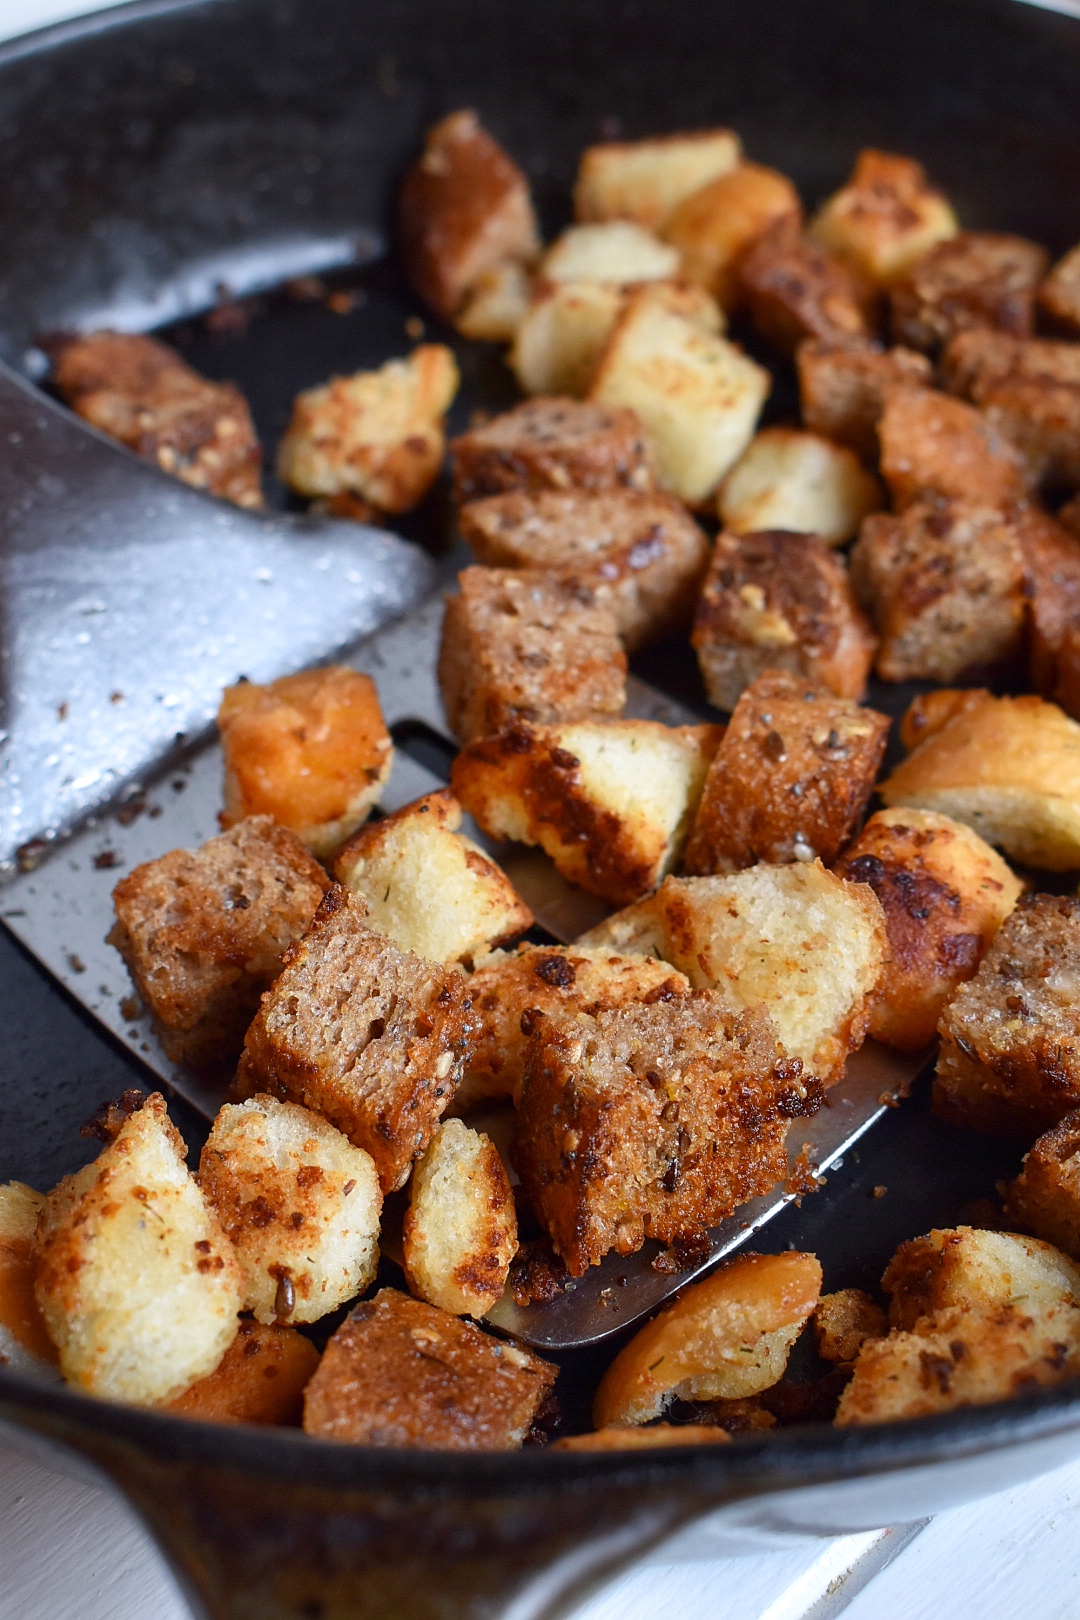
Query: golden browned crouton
(260, 1379)
(844, 1321)
(716, 226)
(934, 445)
(25, 1345)
(496, 305)
(1029, 391)
(945, 894)
(611, 803)
(791, 777)
(645, 1439)
(976, 279)
(980, 1270)
(647, 180)
(642, 554)
(1052, 556)
(202, 933)
(779, 601)
(400, 1373)
(139, 391)
(427, 887)
(366, 1034)
(616, 251)
(525, 645)
(552, 444)
(800, 482)
(885, 218)
(460, 1232)
(794, 289)
(1059, 295)
(311, 750)
(843, 388)
(930, 711)
(464, 209)
(1045, 1197)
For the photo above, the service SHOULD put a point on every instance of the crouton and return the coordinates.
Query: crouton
(1010, 768)
(723, 1338)
(138, 1285)
(552, 444)
(1009, 1061)
(25, 1345)
(139, 391)
(843, 389)
(460, 1232)
(945, 582)
(400, 1373)
(650, 1121)
(617, 251)
(1029, 392)
(800, 482)
(930, 711)
(844, 1321)
(791, 777)
(562, 335)
(1069, 516)
(366, 1034)
(260, 1379)
(945, 894)
(793, 289)
(642, 1439)
(521, 644)
(934, 445)
(611, 803)
(1059, 295)
(202, 933)
(311, 750)
(497, 305)
(717, 225)
(1052, 556)
(464, 209)
(647, 180)
(642, 554)
(378, 434)
(697, 396)
(981, 1270)
(427, 887)
(797, 942)
(885, 218)
(779, 601)
(300, 1204)
(1045, 1197)
(975, 279)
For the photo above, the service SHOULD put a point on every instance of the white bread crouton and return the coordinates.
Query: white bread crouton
(562, 335)
(460, 1231)
(25, 1345)
(967, 1266)
(616, 251)
(799, 482)
(647, 180)
(497, 305)
(716, 227)
(844, 1321)
(885, 218)
(1045, 1197)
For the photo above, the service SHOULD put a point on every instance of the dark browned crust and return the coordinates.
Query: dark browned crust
(794, 289)
(1030, 391)
(1044, 1199)
(976, 279)
(1052, 560)
(932, 444)
(552, 444)
(843, 388)
(1059, 295)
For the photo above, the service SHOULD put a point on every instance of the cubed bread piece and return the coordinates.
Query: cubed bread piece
(1010, 1038)
(311, 750)
(378, 435)
(464, 208)
(136, 1280)
(722, 1339)
(202, 933)
(650, 1121)
(366, 1034)
(843, 388)
(801, 944)
(653, 1438)
(611, 803)
(779, 601)
(1030, 392)
(25, 1345)
(1052, 557)
(844, 1321)
(427, 887)
(552, 444)
(697, 396)
(260, 1379)
(647, 180)
(800, 482)
(525, 645)
(945, 893)
(980, 1270)
(616, 251)
(1059, 295)
(934, 445)
(562, 335)
(791, 778)
(931, 711)
(717, 225)
(976, 279)
(497, 304)
(642, 554)
(793, 289)
(139, 391)
(885, 218)
(1045, 1197)
(1010, 768)
(400, 1373)
(945, 582)
(460, 1232)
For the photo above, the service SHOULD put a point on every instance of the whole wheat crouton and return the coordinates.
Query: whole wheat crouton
(718, 224)
(460, 1232)
(647, 180)
(1045, 1197)
(1052, 559)
(552, 443)
(496, 305)
(25, 1345)
(842, 388)
(844, 1321)
(976, 279)
(799, 482)
(616, 251)
(1059, 295)
(260, 1379)
(794, 289)
(885, 218)
(932, 444)
(1029, 390)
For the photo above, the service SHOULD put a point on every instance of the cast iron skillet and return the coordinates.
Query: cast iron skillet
(151, 153)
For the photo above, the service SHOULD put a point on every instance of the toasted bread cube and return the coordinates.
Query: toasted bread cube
(980, 1270)
(368, 1035)
(552, 444)
(25, 1345)
(697, 395)
(844, 1321)
(643, 555)
(464, 209)
(793, 289)
(779, 601)
(497, 305)
(300, 1204)
(885, 218)
(311, 750)
(1059, 295)
(617, 251)
(945, 893)
(139, 391)
(378, 435)
(610, 803)
(1052, 557)
(1030, 392)
(647, 180)
(717, 225)
(843, 388)
(260, 1379)
(636, 930)
(650, 1121)
(1045, 1197)
(791, 777)
(524, 645)
(798, 942)
(934, 445)
(202, 933)
(1009, 1061)
(427, 887)
(930, 711)
(136, 1280)
(1010, 768)
(460, 1232)
(976, 279)
(945, 582)
(399, 1372)
(799, 482)
(655, 1437)
(562, 335)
